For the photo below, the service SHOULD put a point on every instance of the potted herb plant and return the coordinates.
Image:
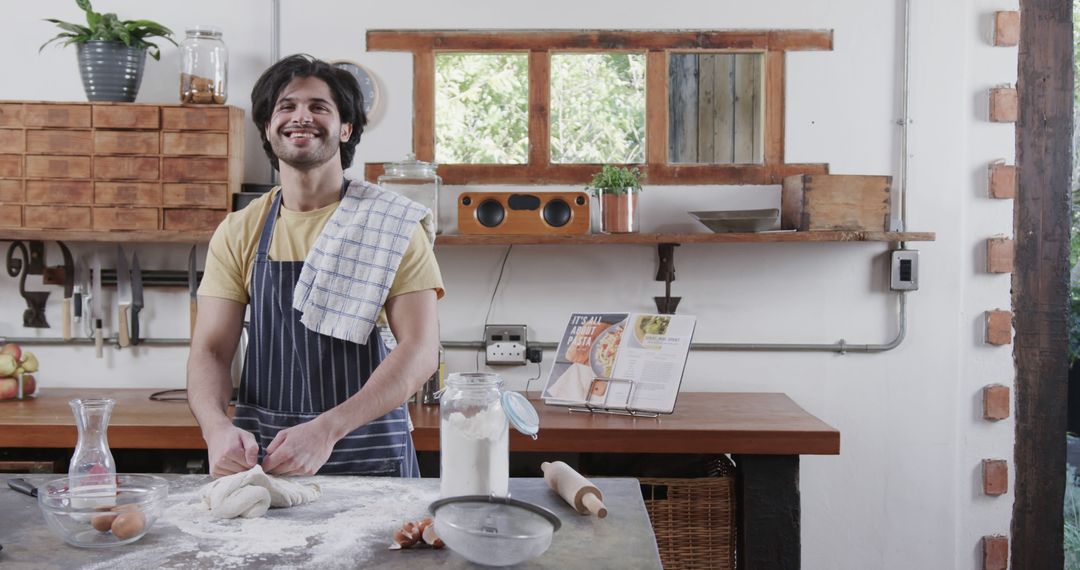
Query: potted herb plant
(616, 190)
(111, 51)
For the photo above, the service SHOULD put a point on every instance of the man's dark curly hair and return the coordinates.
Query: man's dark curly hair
(343, 88)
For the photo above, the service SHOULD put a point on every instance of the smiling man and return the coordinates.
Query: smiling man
(318, 261)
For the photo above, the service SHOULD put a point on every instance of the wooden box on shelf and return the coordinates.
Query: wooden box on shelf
(118, 166)
(835, 202)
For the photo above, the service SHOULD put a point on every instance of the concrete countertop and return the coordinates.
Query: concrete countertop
(350, 526)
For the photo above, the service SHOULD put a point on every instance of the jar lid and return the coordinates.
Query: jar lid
(411, 168)
(204, 31)
(521, 413)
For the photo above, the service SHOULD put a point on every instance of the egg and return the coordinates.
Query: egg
(102, 522)
(128, 525)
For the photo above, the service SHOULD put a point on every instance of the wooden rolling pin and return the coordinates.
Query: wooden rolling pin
(575, 489)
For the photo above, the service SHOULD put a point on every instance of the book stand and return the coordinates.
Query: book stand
(608, 406)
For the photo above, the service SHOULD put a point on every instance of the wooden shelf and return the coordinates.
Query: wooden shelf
(149, 236)
(653, 239)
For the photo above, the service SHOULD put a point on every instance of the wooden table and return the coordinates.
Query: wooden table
(350, 526)
(764, 432)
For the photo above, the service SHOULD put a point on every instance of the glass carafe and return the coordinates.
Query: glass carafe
(474, 439)
(92, 473)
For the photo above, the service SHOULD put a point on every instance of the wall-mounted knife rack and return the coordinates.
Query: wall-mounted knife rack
(150, 277)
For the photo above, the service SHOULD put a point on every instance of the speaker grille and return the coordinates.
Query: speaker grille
(490, 213)
(557, 213)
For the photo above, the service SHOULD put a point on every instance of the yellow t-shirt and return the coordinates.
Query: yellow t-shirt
(231, 256)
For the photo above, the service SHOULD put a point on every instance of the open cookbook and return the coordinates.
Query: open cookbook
(620, 361)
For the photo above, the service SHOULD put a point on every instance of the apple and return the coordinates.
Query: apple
(9, 388)
(29, 362)
(8, 365)
(29, 385)
(12, 349)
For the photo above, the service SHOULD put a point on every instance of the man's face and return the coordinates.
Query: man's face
(305, 129)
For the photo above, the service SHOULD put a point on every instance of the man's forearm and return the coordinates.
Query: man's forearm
(209, 387)
(399, 376)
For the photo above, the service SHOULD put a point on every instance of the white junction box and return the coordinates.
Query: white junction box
(506, 344)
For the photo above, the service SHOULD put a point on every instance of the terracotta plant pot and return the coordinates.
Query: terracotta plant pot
(619, 213)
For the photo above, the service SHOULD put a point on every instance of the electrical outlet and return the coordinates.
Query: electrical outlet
(506, 344)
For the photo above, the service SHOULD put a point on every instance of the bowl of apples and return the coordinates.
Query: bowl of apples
(17, 368)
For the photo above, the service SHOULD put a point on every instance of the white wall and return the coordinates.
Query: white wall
(904, 492)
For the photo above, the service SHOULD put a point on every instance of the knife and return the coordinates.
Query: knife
(77, 307)
(69, 285)
(136, 297)
(123, 296)
(95, 303)
(19, 484)
(193, 288)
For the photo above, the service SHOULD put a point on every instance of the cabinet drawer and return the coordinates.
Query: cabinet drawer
(57, 166)
(10, 216)
(195, 169)
(58, 142)
(76, 116)
(11, 165)
(59, 192)
(195, 118)
(12, 140)
(11, 115)
(12, 191)
(205, 144)
(125, 218)
(125, 142)
(205, 195)
(128, 193)
(126, 168)
(193, 220)
(126, 117)
(59, 217)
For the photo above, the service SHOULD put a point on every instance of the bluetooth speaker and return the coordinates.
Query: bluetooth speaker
(520, 213)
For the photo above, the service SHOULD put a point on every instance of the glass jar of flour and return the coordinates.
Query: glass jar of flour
(474, 435)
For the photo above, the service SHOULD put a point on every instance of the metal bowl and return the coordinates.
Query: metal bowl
(494, 531)
(75, 508)
(723, 221)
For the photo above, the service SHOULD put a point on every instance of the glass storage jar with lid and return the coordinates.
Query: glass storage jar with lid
(204, 66)
(417, 181)
(474, 435)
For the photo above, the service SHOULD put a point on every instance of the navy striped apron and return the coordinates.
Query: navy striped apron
(291, 375)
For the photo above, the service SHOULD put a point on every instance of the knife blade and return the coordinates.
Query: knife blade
(95, 303)
(69, 286)
(77, 304)
(193, 289)
(136, 297)
(123, 297)
(21, 485)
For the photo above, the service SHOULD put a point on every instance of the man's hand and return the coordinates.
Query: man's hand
(231, 450)
(300, 450)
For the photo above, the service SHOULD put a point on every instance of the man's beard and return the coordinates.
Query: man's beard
(303, 159)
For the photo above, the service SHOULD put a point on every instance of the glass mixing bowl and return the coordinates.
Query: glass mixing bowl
(102, 517)
(494, 531)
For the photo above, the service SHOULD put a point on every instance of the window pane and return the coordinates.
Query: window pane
(715, 108)
(598, 108)
(481, 108)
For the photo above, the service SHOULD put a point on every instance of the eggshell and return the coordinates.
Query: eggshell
(128, 525)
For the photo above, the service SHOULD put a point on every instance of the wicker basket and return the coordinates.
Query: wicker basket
(694, 519)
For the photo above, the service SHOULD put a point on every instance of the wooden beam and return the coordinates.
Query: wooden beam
(539, 107)
(528, 40)
(774, 109)
(424, 106)
(1041, 280)
(656, 108)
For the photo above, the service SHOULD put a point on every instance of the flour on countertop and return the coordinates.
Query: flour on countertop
(355, 516)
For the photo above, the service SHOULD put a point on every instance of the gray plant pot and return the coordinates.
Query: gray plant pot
(111, 71)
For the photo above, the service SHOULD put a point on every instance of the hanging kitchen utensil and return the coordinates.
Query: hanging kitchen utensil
(193, 289)
(77, 296)
(69, 285)
(95, 304)
(123, 297)
(136, 297)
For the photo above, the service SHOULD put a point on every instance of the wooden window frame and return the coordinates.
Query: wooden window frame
(657, 45)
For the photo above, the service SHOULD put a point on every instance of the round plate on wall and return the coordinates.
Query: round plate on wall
(368, 87)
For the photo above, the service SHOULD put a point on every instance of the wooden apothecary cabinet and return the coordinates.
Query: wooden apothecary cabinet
(118, 166)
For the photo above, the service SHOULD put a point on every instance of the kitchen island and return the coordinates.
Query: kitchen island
(765, 433)
(350, 526)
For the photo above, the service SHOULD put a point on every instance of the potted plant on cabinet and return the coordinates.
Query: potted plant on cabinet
(111, 51)
(616, 190)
